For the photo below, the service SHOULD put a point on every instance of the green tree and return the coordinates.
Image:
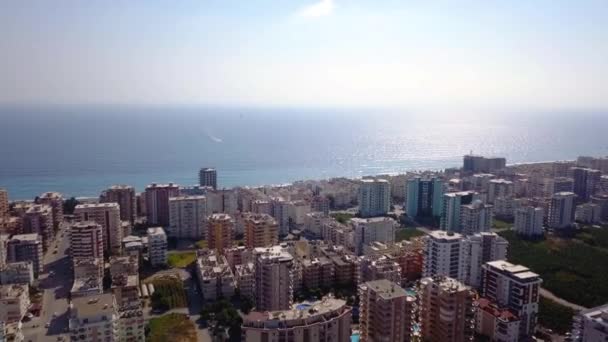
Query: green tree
(69, 205)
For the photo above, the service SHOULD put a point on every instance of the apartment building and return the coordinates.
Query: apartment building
(368, 230)
(500, 188)
(187, 215)
(14, 302)
(475, 218)
(108, 216)
(529, 221)
(125, 196)
(26, 247)
(157, 246)
(215, 277)
(424, 197)
(495, 322)
(261, 230)
(479, 249)
(55, 201)
(157, 203)
(220, 232)
(443, 255)
(374, 197)
(591, 325)
(38, 219)
(561, 210)
(274, 278)
(86, 240)
(208, 177)
(94, 318)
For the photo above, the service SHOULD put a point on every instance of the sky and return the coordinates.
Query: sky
(340, 53)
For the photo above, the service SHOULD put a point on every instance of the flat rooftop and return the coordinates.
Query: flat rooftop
(95, 305)
(444, 235)
(386, 288)
(298, 311)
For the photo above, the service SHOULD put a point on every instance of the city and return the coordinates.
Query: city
(487, 251)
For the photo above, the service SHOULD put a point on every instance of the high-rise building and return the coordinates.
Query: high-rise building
(495, 322)
(325, 320)
(443, 255)
(452, 211)
(157, 246)
(55, 201)
(424, 197)
(586, 182)
(26, 247)
(588, 213)
(215, 277)
(38, 219)
(187, 216)
(374, 197)
(94, 318)
(529, 221)
(261, 230)
(220, 232)
(86, 240)
(479, 249)
(591, 325)
(602, 201)
(368, 230)
(375, 268)
(514, 287)
(3, 203)
(124, 195)
(274, 277)
(558, 184)
(475, 218)
(157, 203)
(446, 310)
(208, 177)
(500, 188)
(473, 163)
(386, 312)
(108, 216)
(14, 302)
(561, 210)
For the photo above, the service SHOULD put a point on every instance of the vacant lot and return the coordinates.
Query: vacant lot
(181, 259)
(172, 327)
(574, 269)
(407, 233)
(169, 293)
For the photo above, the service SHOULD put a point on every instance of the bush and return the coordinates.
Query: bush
(555, 316)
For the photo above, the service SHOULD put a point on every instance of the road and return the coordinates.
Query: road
(549, 295)
(55, 283)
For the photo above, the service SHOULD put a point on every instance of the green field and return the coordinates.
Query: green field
(181, 259)
(407, 233)
(342, 217)
(555, 316)
(172, 327)
(574, 269)
(169, 293)
(501, 225)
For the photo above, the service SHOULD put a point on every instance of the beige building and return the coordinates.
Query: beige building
(220, 232)
(215, 276)
(187, 217)
(3, 203)
(386, 312)
(446, 310)
(157, 246)
(274, 278)
(14, 302)
(55, 201)
(157, 203)
(124, 195)
(326, 320)
(378, 267)
(86, 240)
(94, 318)
(38, 219)
(261, 230)
(108, 216)
(245, 279)
(495, 322)
(26, 247)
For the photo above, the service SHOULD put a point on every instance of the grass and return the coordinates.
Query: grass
(342, 217)
(201, 244)
(555, 316)
(572, 268)
(407, 234)
(171, 293)
(181, 259)
(172, 327)
(501, 225)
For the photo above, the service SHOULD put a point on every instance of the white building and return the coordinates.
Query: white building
(374, 197)
(94, 318)
(475, 218)
(591, 325)
(215, 276)
(588, 213)
(514, 287)
(557, 184)
(479, 249)
(274, 278)
(452, 209)
(86, 240)
(157, 246)
(108, 216)
(245, 279)
(443, 255)
(499, 188)
(14, 302)
(529, 221)
(561, 210)
(186, 217)
(368, 230)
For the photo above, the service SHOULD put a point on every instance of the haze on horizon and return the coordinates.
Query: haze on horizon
(515, 54)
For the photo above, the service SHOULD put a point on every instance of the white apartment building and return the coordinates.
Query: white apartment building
(588, 213)
(374, 197)
(108, 216)
(443, 255)
(591, 325)
(529, 221)
(245, 279)
(124, 195)
(495, 322)
(479, 249)
(514, 287)
(215, 276)
(500, 188)
(557, 184)
(187, 217)
(452, 209)
(157, 246)
(94, 318)
(38, 219)
(14, 302)
(561, 210)
(274, 278)
(368, 230)
(26, 247)
(375, 268)
(476, 218)
(86, 240)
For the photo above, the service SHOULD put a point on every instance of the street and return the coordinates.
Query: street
(55, 282)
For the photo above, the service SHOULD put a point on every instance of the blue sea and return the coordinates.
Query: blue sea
(80, 150)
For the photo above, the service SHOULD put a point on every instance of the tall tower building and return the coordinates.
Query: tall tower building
(220, 232)
(124, 195)
(529, 221)
(108, 216)
(157, 246)
(187, 216)
(38, 219)
(586, 182)
(473, 163)
(374, 197)
(451, 212)
(515, 287)
(274, 278)
(157, 203)
(500, 188)
(446, 310)
(208, 177)
(55, 201)
(479, 249)
(261, 230)
(443, 255)
(368, 230)
(386, 312)
(476, 218)
(86, 240)
(26, 247)
(424, 197)
(3, 203)
(561, 210)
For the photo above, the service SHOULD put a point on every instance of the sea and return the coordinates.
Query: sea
(81, 150)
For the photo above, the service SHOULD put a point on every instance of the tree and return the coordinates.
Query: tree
(69, 205)
(160, 302)
(246, 304)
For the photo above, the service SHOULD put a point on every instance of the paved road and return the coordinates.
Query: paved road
(56, 282)
(549, 295)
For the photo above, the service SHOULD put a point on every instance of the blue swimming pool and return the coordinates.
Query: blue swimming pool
(354, 338)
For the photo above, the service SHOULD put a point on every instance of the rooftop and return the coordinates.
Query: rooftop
(187, 198)
(443, 235)
(386, 289)
(273, 253)
(26, 237)
(97, 205)
(504, 314)
(299, 311)
(515, 271)
(94, 305)
(156, 231)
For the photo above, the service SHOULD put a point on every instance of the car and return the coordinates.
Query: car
(48, 324)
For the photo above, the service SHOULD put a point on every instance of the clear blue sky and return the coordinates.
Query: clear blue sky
(541, 54)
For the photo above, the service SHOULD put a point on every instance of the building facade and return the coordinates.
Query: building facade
(374, 197)
(561, 210)
(157, 203)
(108, 216)
(529, 221)
(187, 216)
(157, 246)
(274, 277)
(220, 232)
(125, 196)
